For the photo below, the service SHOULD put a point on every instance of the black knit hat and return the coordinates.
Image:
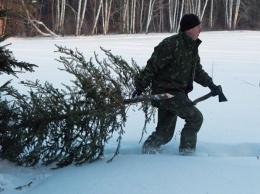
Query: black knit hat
(189, 21)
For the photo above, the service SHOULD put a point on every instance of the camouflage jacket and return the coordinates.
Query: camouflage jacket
(173, 66)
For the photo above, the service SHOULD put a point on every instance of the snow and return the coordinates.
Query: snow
(228, 149)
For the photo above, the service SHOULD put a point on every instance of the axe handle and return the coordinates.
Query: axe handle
(205, 97)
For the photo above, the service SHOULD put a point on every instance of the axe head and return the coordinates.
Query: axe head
(221, 96)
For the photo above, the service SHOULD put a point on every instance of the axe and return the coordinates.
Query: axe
(141, 98)
(221, 97)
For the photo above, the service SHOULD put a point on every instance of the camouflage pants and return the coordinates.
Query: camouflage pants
(168, 111)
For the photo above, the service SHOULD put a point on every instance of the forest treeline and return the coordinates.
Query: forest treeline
(90, 17)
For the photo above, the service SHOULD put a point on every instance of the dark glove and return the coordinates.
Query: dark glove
(215, 90)
(136, 93)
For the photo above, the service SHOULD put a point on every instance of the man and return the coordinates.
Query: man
(172, 68)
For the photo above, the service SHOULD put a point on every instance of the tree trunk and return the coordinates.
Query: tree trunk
(33, 22)
(96, 17)
(141, 16)
(211, 14)
(133, 8)
(57, 16)
(190, 6)
(126, 16)
(181, 13)
(198, 5)
(80, 16)
(161, 23)
(2, 20)
(60, 16)
(176, 13)
(150, 13)
(170, 7)
(83, 14)
(229, 11)
(236, 14)
(106, 15)
(203, 11)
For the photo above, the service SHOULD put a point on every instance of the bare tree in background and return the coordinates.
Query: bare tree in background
(230, 21)
(196, 6)
(60, 16)
(125, 16)
(181, 13)
(132, 18)
(174, 17)
(203, 10)
(80, 16)
(236, 14)
(149, 15)
(35, 23)
(161, 16)
(128, 16)
(190, 6)
(141, 16)
(228, 13)
(2, 20)
(96, 16)
(171, 16)
(106, 12)
(211, 14)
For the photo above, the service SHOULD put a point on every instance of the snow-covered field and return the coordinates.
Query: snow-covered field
(228, 150)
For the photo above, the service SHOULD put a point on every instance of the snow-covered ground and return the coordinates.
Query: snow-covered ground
(228, 150)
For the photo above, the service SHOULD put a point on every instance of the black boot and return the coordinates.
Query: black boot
(152, 144)
(149, 148)
(187, 151)
(188, 145)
